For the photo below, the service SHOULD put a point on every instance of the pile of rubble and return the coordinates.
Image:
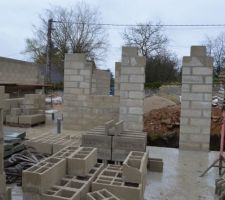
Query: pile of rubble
(163, 121)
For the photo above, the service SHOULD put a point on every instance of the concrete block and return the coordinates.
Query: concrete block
(15, 111)
(82, 161)
(135, 167)
(101, 194)
(32, 119)
(123, 144)
(102, 142)
(43, 175)
(110, 179)
(198, 51)
(155, 165)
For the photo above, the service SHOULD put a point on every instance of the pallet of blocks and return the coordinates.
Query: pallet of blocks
(67, 174)
(113, 142)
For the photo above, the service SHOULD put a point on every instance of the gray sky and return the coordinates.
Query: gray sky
(18, 16)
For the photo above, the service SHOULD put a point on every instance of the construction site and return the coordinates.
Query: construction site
(96, 106)
(94, 146)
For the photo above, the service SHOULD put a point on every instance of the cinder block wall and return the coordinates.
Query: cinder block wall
(17, 71)
(100, 82)
(132, 78)
(82, 110)
(117, 79)
(196, 100)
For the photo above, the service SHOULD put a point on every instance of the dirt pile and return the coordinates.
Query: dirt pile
(156, 102)
(162, 121)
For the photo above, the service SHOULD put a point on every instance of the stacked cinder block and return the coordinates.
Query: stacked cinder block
(25, 111)
(117, 79)
(32, 110)
(82, 110)
(132, 79)
(113, 142)
(99, 139)
(67, 174)
(111, 178)
(101, 195)
(50, 144)
(196, 100)
(100, 82)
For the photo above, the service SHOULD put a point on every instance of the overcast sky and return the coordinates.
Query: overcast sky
(18, 16)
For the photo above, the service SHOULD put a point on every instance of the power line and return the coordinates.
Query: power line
(157, 25)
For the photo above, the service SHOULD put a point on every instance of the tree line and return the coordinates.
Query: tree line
(79, 29)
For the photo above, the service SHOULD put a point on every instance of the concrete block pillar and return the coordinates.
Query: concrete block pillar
(117, 78)
(77, 74)
(195, 120)
(132, 78)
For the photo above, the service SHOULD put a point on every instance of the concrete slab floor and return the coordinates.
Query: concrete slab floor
(180, 178)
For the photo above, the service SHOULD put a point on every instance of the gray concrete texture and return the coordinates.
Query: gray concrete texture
(20, 72)
(132, 78)
(87, 110)
(196, 100)
(25, 111)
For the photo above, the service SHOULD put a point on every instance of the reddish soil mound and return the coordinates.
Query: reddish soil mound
(163, 120)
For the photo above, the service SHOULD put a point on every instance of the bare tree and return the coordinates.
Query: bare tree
(76, 30)
(149, 38)
(216, 49)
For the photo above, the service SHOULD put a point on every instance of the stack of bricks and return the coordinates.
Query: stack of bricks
(26, 111)
(196, 100)
(113, 142)
(127, 182)
(68, 174)
(132, 79)
(5, 193)
(50, 144)
(82, 110)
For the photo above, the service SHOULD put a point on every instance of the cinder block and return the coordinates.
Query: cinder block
(15, 111)
(79, 185)
(43, 175)
(12, 119)
(32, 119)
(102, 142)
(101, 194)
(135, 167)
(110, 179)
(82, 161)
(126, 142)
(155, 164)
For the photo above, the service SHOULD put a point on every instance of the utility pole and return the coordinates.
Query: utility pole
(49, 55)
